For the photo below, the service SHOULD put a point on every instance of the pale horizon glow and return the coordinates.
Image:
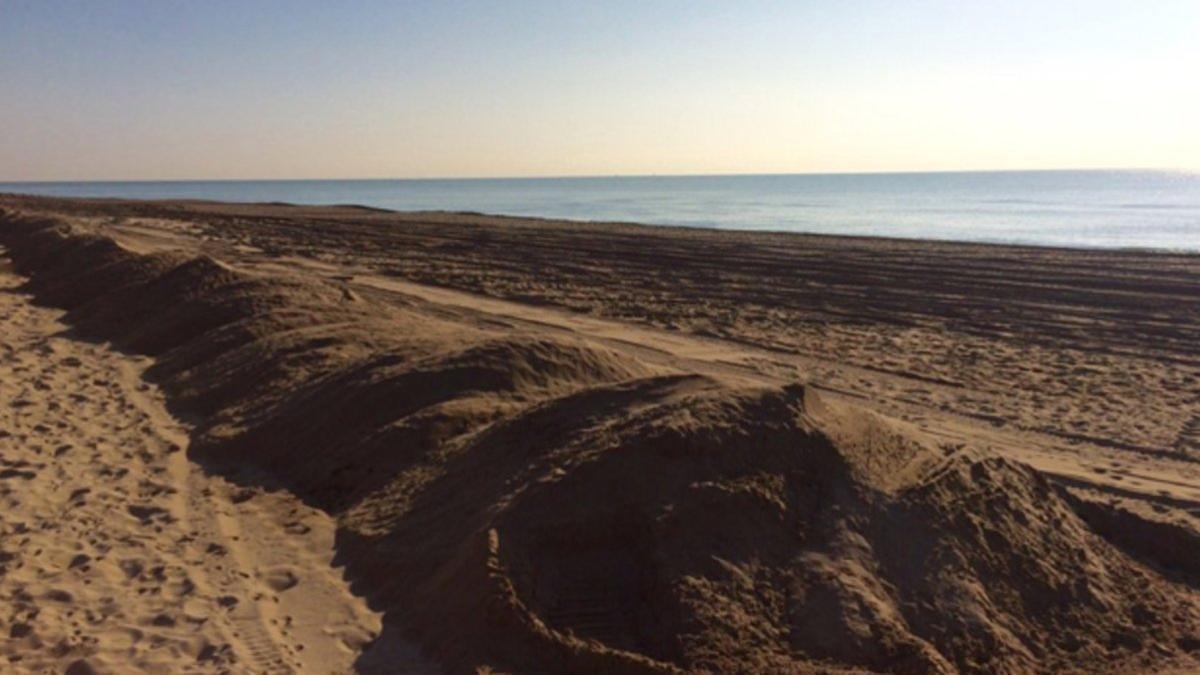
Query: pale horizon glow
(128, 90)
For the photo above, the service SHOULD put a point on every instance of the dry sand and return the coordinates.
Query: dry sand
(552, 447)
(119, 555)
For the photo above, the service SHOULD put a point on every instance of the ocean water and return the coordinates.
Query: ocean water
(1088, 209)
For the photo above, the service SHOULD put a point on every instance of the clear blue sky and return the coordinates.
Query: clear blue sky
(110, 89)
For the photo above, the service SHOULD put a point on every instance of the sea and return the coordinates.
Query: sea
(1083, 209)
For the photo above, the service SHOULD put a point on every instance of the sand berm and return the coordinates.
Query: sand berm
(521, 502)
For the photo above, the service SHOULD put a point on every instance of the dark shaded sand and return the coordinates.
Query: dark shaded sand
(841, 455)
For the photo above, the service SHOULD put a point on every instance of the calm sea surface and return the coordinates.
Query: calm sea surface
(1106, 209)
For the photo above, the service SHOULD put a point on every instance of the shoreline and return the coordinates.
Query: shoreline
(550, 220)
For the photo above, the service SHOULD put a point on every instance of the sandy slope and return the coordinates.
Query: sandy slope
(120, 555)
(522, 488)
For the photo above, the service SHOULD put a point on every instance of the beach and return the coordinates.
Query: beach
(491, 444)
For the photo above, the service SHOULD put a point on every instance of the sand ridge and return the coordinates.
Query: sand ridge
(120, 555)
(1090, 347)
(1051, 353)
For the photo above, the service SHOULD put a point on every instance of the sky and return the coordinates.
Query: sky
(167, 89)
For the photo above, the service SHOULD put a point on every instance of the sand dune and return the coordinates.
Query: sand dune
(524, 491)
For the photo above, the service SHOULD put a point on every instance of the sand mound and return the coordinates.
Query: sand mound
(534, 503)
(729, 531)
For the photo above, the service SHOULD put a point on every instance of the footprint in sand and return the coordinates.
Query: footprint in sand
(280, 579)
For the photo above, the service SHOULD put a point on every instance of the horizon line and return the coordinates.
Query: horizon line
(599, 175)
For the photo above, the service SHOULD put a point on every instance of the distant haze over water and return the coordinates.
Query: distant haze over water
(1093, 209)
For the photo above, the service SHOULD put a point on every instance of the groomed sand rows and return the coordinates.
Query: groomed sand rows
(529, 503)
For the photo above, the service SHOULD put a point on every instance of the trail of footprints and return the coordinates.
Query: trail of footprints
(119, 555)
